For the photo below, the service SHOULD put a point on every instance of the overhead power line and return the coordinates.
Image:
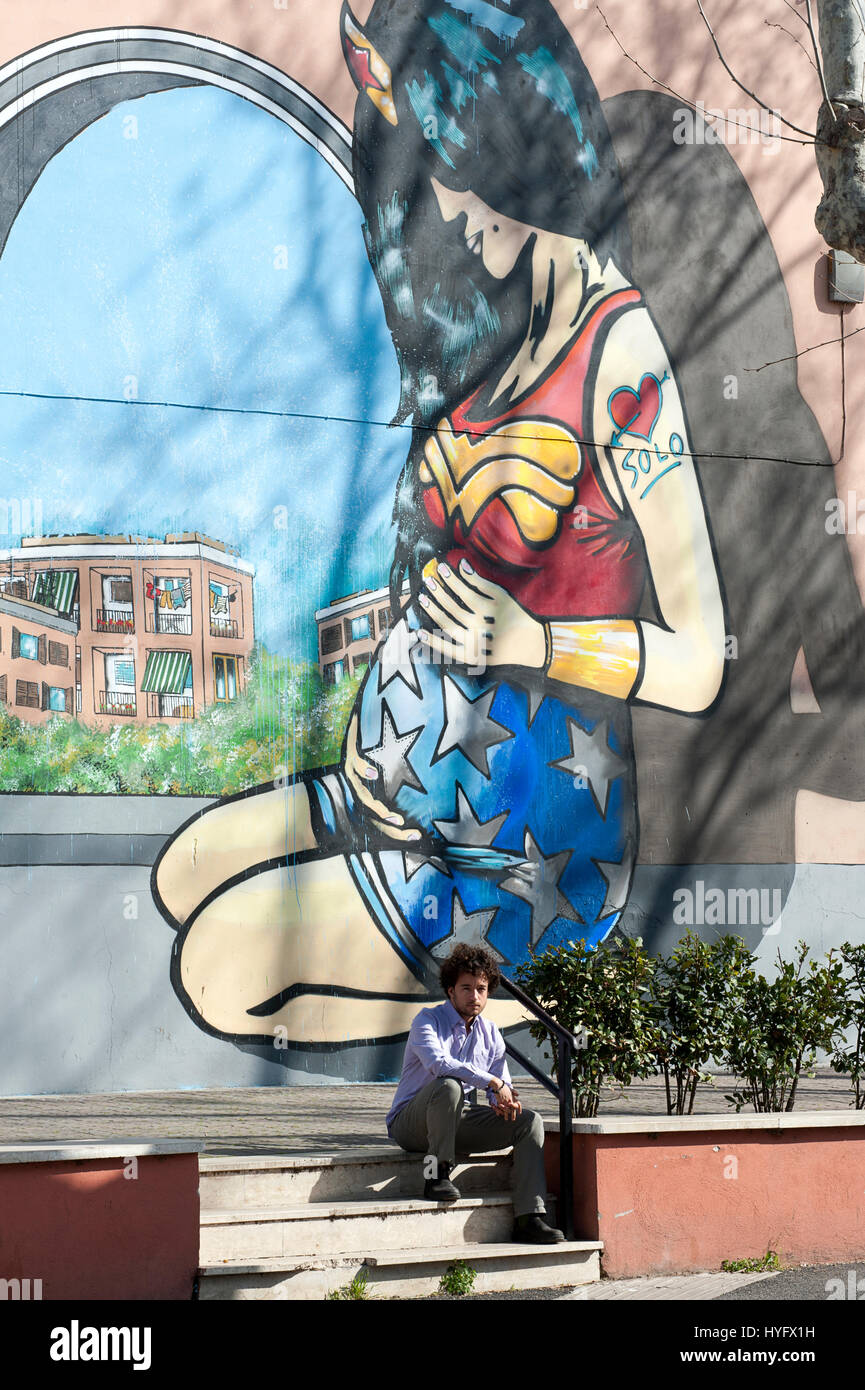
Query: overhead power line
(401, 424)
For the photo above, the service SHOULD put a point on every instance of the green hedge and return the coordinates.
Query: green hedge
(286, 720)
(635, 1016)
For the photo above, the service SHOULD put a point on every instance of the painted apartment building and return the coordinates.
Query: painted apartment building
(113, 628)
(37, 659)
(349, 630)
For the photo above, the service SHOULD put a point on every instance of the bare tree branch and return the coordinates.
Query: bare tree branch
(793, 10)
(707, 115)
(828, 343)
(770, 24)
(747, 90)
(818, 56)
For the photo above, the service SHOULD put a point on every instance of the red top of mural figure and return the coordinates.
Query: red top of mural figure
(529, 508)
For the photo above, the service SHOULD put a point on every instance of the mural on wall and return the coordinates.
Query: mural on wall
(549, 480)
(550, 497)
(515, 670)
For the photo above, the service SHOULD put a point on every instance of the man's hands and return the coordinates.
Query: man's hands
(360, 774)
(507, 1104)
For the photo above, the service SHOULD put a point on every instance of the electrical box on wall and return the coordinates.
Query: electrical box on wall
(846, 279)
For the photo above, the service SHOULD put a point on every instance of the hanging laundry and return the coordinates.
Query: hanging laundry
(164, 599)
(220, 604)
(149, 588)
(177, 599)
(187, 590)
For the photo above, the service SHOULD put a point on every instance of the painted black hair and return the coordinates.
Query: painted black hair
(492, 97)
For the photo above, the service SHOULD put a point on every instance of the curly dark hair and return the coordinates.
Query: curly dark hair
(470, 960)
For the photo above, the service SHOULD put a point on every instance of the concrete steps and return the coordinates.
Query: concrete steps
(293, 1180)
(355, 1227)
(282, 1227)
(406, 1274)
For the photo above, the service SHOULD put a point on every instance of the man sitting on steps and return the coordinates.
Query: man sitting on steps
(450, 1051)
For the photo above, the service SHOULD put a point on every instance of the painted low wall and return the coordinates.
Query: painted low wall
(86, 1221)
(691, 1192)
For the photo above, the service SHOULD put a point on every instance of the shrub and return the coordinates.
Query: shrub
(781, 1024)
(353, 1291)
(696, 996)
(602, 996)
(851, 1060)
(458, 1278)
(285, 720)
(754, 1266)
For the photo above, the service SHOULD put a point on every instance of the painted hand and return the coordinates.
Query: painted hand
(480, 623)
(360, 774)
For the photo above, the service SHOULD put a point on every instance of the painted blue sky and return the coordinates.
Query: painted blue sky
(156, 258)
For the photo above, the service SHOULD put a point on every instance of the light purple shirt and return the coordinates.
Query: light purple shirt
(438, 1045)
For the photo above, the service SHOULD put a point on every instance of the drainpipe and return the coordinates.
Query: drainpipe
(840, 217)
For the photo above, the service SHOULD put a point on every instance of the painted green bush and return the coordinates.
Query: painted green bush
(286, 720)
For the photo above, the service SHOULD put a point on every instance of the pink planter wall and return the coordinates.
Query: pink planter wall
(89, 1232)
(671, 1202)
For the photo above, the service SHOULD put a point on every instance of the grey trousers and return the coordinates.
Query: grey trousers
(438, 1121)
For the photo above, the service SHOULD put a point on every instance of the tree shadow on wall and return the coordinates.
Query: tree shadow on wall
(720, 789)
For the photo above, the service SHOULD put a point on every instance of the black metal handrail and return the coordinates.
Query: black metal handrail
(566, 1045)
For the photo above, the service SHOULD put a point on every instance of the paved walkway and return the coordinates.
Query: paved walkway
(670, 1288)
(801, 1284)
(314, 1119)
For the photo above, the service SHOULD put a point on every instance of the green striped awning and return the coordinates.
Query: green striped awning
(166, 673)
(56, 589)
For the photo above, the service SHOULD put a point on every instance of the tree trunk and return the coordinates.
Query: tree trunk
(840, 216)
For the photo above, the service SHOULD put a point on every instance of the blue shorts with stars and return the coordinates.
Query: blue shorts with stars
(526, 802)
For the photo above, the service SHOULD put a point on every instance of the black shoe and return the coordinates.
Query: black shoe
(533, 1230)
(441, 1189)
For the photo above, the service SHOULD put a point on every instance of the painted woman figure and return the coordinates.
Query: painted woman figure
(488, 789)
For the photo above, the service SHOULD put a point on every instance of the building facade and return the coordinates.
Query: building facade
(37, 660)
(151, 630)
(349, 630)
